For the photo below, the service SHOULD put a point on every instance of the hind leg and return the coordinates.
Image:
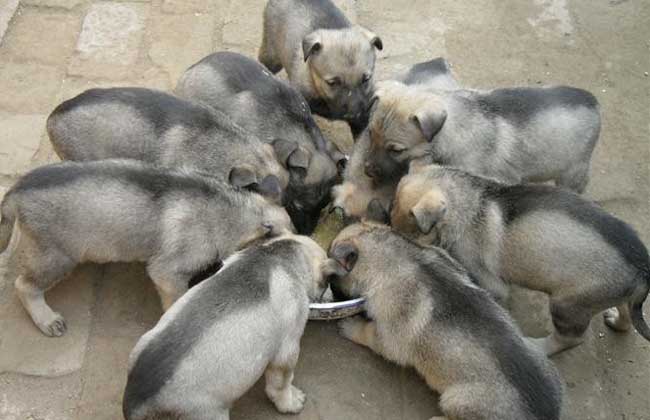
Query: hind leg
(575, 179)
(170, 284)
(32, 297)
(618, 318)
(279, 377)
(570, 321)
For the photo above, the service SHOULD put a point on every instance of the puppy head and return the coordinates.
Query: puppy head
(311, 175)
(341, 64)
(262, 221)
(419, 205)
(403, 124)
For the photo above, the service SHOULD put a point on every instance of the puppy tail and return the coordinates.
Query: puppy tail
(7, 223)
(636, 309)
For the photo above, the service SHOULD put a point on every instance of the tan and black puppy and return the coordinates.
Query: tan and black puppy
(514, 135)
(427, 313)
(540, 237)
(329, 60)
(224, 334)
(182, 225)
(358, 189)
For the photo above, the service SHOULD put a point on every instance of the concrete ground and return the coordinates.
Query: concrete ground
(51, 50)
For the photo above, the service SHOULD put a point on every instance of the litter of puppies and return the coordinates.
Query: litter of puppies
(215, 187)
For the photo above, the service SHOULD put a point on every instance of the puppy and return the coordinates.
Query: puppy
(514, 135)
(329, 60)
(540, 237)
(356, 192)
(275, 112)
(427, 313)
(156, 127)
(180, 225)
(218, 339)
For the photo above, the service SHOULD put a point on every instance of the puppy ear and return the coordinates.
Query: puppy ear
(331, 269)
(311, 44)
(427, 212)
(242, 177)
(377, 213)
(270, 188)
(429, 121)
(290, 154)
(375, 41)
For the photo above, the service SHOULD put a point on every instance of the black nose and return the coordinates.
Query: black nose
(370, 170)
(345, 254)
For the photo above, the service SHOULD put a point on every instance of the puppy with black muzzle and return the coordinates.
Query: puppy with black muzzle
(155, 127)
(224, 334)
(181, 225)
(515, 135)
(329, 60)
(275, 112)
(358, 189)
(536, 236)
(427, 313)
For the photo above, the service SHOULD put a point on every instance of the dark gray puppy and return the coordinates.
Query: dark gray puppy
(329, 60)
(427, 313)
(537, 236)
(276, 112)
(221, 336)
(358, 189)
(514, 135)
(156, 127)
(181, 225)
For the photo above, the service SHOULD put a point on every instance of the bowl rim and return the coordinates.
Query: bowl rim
(337, 305)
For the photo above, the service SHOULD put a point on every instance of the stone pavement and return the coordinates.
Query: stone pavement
(50, 50)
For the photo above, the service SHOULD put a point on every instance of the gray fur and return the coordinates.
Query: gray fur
(358, 189)
(514, 135)
(427, 313)
(221, 336)
(176, 222)
(156, 127)
(536, 236)
(275, 112)
(315, 43)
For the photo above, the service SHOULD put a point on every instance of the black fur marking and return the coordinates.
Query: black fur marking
(158, 108)
(521, 104)
(326, 15)
(237, 287)
(517, 201)
(206, 272)
(423, 72)
(312, 199)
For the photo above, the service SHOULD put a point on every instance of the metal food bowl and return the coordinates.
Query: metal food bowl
(336, 310)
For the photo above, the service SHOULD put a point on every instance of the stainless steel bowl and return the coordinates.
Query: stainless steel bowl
(336, 310)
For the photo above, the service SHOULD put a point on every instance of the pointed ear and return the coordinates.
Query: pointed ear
(377, 213)
(242, 177)
(375, 41)
(429, 121)
(299, 159)
(428, 211)
(311, 44)
(290, 155)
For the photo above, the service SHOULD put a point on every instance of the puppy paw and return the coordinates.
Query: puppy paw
(352, 328)
(290, 401)
(54, 327)
(615, 321)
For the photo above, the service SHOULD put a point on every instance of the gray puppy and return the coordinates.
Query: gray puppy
(180, 225)
(218, 339)
(358, 189)
(514, 135)
(329, 60)
(427, 313)
(276, 112)
(537, 236)
(156, 127)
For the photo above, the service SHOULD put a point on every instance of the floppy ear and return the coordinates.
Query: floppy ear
(290, 154)
(429, 121)
(311, 44)
(242, 177)
(375, 41)
(377, 213)
(426, 215)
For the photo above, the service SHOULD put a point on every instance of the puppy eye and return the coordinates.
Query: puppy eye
(366, 78)
(335, 81)
(396, 148)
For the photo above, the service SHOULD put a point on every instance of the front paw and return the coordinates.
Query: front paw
(352, 328)
(291, 401)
